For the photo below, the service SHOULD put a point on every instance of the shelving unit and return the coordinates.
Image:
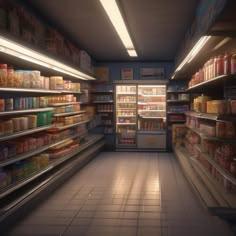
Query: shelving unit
(102, 98)
(204, 157)
(50, 149)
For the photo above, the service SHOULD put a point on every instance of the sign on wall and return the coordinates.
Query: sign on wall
(152, 73)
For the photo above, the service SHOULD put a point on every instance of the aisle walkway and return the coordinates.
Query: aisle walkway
(124, 194)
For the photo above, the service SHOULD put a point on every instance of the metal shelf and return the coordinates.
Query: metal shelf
(152, 132)
(177, 101)
(110, 101)
(205, 137)
(126, 123)
(13, 187)
(69, 126)
(17, 112)
(26, 132)
(210, 116)
(223, 171)
(29, 90)
(126, 108)
(63, 104)
(208, 82)
(69, 113)
(36, 151)
(71, 92)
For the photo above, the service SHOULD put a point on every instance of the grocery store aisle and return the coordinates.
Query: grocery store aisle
(123, 193)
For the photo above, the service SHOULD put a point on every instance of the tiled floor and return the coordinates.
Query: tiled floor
(124, 194)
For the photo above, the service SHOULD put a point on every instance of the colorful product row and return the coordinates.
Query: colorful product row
(21, 103)
(67, 109)
(22, 169)
(219, 65)
(17, 124)
(62, 121)
(61, 98)
(15, 147)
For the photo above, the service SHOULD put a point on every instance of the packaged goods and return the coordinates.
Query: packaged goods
(220, 129)
(2, 105)
(3, 75)
(56, 83)
(9, 104)
(229, 129)
(10, 77)
(24, 123)
(233, 106)
(233, 64)
(32, 121)
(3, 179)
(8, 127)
(220, 107)
(16, 124)
(208, 129)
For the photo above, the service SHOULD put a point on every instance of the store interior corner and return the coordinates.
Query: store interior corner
(101, 135)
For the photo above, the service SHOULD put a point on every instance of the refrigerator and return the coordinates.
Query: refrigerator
(140, 115)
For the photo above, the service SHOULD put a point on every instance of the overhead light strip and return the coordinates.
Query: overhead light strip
(113, 12)
(194, 51)
(12, 48)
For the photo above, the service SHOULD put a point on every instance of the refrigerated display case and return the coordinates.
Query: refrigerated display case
(140, 115)
(151, 116)
(126, 116)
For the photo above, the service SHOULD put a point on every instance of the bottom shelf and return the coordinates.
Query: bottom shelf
(211, 193)
(10, 198)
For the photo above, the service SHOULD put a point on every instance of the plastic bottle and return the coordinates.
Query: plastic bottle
(233, 64)
(220, 65)
(227, 64)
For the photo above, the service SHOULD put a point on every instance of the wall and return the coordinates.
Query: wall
(115, 68)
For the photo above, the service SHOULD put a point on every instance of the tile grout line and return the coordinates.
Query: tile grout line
(68, 225)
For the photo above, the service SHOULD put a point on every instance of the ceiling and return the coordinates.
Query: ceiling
(157, 27)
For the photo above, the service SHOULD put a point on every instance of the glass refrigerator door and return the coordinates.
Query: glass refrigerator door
(126, 116)
(152, 116)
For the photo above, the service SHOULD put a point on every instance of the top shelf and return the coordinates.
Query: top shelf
(209, 83)
(210, 116)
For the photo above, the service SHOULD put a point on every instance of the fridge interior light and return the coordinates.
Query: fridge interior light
(14, 49)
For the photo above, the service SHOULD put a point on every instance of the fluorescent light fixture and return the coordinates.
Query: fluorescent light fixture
(221, 43)
(10, 47)
(113, 12)
(132, 52)
(194, 51)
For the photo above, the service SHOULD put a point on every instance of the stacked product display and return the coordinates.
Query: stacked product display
(37, 133)
(103, 100)
(126, 115)
(207, 141)
(141, 116)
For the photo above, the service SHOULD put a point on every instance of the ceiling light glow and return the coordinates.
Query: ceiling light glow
(113, 12)
(14, 49)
